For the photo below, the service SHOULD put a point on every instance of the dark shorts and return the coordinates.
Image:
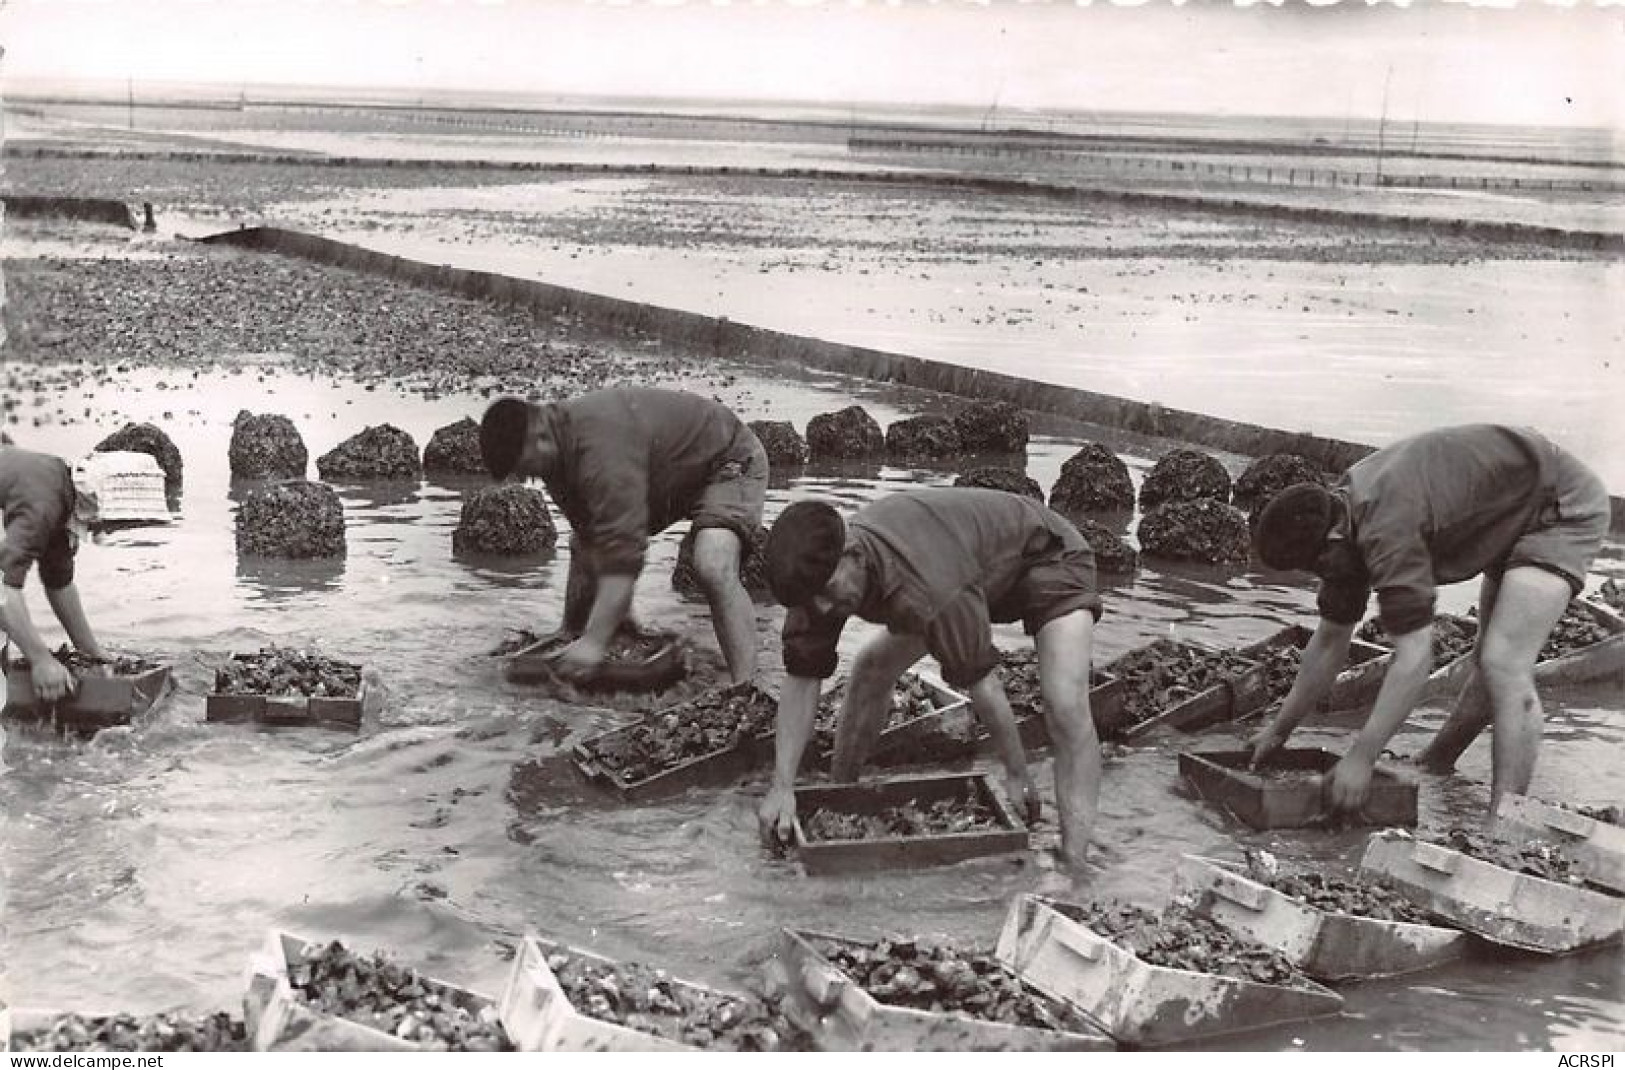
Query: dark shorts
(1053, 586)
(1569, 531)
(737, 492)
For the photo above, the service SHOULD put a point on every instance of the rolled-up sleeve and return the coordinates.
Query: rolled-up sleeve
(36, 531)
(960, 637)
(809, 642)
(1401, 572)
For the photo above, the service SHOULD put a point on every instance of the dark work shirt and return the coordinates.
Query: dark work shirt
(1438, 507)
(37, 498)
(940, 564)
(632, 461)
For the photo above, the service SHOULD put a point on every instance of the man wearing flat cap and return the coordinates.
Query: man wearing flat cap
(937, 567)
(1438, 507)
(38, 502)
(626, 463)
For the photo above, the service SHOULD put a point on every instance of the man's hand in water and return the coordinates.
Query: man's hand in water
(777, 816)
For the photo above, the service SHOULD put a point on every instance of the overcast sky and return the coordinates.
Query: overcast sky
(1437, 60)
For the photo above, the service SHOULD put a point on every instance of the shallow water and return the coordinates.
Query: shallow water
(143, 869)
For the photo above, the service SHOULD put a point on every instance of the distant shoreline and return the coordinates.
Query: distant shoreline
(1580, 146)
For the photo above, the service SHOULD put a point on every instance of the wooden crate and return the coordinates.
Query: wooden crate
(1442, 684)
(279, 1020)
(1356, 685)
(947, 733)
(715, 768)
(1261, 802)
(1328, 946)
(1597, 847)
(660, 670)
(1138, 1004)
(538, 1015)
(1513, 909)
(1105, 709)
(826, 1002)
(288, 710)
(97, 702)
(864, 856)
(1602, 660)
(1207, 707)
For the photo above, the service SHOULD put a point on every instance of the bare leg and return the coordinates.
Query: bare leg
(868, 699)
(716, 563)
(1471, 713)
(1529, 604)
(1065, 648)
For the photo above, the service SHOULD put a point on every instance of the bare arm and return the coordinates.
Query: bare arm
(51, 678)
(992, 708)
(19, 626)
(609, 608)
(798, 705)
(1401, 688)
(71, 612)
(1323, 658)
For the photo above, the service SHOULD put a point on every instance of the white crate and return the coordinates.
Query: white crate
(538, 1014)
(1326, 945)
(1504, 907)
(841, 1016)
(1597, 847)
(1139, 1004)
(277, 1019)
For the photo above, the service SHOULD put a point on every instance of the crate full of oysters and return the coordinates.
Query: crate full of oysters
(288, 686)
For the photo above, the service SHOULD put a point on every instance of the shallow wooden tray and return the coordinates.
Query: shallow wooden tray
(864, 856)
(1221, 777)
(97, 702)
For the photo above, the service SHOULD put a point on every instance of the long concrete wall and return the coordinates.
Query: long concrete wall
(725, 338)
(90, 209)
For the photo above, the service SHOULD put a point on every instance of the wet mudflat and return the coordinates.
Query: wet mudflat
(145, 867)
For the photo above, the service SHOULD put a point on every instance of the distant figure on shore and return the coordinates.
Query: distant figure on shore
(1438, 507)
(150, 224)
(37, 500)
(937, 567)
(626, 463)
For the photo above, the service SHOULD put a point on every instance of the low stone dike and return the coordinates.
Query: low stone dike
(89, 209)
(725, 338)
